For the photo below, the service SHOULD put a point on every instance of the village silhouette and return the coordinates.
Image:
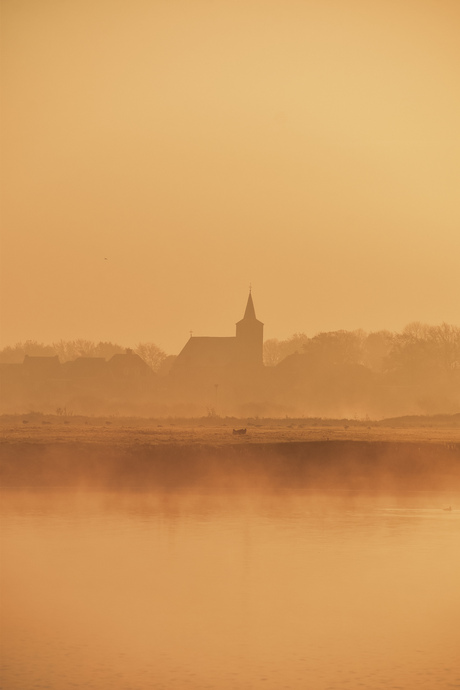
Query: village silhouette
(339, 374)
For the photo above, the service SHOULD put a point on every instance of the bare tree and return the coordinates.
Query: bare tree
(151, 354)
(336, 347)
(423, 348)
(376, 349)
(15, 354)
(68, 350)
(276, 350)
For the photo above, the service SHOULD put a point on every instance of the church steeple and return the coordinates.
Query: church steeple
(249, 337)
(250, 312)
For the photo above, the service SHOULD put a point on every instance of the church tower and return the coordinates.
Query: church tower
(250, 338)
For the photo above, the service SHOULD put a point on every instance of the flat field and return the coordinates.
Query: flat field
(217, 431)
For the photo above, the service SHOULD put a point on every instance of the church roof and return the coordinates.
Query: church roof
(207, 351)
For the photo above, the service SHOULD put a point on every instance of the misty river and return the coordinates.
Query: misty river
(138, 590)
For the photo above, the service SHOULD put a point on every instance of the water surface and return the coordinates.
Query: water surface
(135, 590)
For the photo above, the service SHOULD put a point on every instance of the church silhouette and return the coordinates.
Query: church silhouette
(215, 357)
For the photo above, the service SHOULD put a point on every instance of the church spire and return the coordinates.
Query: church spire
(249, 338)
(250, 311)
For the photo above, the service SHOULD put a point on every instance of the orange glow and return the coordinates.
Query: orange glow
(311, 148)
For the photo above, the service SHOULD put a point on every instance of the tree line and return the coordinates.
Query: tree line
(418, 347)
(68, 350)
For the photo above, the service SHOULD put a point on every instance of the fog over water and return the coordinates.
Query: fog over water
(294, 590)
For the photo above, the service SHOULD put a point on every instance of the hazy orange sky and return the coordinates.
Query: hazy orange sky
(160, 155)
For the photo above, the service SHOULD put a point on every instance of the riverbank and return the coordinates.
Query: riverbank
(406, 453)
(311, 465)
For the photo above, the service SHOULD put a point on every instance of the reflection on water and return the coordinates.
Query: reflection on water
(142, 591)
